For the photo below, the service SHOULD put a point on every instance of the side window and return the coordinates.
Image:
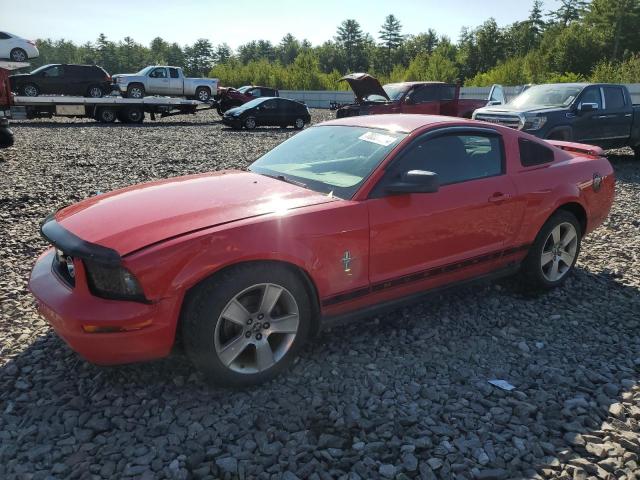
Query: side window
(173, 73)
(447, 92)
(456, 157)
(427, 93)
(4, 36)
(255, 92)
(158, 73)
(613, 98)
(592, 95)
(270, 105)
(532, 153)
(54, 72)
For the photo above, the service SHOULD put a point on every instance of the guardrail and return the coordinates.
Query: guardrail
(323, 98)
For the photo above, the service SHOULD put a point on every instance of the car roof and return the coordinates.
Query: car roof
(395, 121)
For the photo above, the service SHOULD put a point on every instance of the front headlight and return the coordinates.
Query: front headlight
(236, 114)
(534, 123)
(115, 283)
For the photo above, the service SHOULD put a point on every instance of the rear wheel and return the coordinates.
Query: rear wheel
(18, 55)
(95, 91)
(135, 91)
(106, 115)
(554, 252)
(203, 94)
(298, 124)
(132, 115)
(245, 326)
(30, 90)
(250, 123)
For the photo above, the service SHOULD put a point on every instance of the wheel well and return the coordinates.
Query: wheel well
(135, 84)
(302, 275)
(203, 87)
(578, 211)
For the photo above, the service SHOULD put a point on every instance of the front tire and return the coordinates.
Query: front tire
(246, 325)
(95, 91)
(135, 91)
(250, 123)
(30, 90)
(554, 252)
(18, 55)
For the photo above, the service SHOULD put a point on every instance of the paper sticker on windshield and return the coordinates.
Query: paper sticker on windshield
(379, 138)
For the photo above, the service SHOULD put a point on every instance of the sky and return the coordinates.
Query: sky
(239, 21)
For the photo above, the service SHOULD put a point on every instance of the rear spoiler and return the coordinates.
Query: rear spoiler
(579, 148)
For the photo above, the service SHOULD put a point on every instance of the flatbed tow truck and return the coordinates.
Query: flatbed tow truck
(107, 109)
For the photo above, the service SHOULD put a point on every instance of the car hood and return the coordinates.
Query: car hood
(364, 85)
(135, 217)
(515, 110)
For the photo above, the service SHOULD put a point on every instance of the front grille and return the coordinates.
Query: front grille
(511, 121)
(61, 263)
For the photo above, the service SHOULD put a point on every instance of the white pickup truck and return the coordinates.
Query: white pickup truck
(165, 80)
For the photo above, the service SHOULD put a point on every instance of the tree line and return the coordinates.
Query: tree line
(581, 40)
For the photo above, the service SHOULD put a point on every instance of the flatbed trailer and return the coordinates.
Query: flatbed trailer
(106, 109)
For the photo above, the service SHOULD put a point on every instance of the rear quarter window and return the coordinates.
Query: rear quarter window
(532, 153)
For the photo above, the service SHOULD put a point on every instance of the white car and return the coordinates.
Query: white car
(17, 49)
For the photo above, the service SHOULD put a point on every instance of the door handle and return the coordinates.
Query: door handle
(499, 197)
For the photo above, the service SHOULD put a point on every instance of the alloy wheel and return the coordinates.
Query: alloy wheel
(299, 123)
(135, 92)
(250, 123)
(30, 91)
(95, 92)
(18, 55)
(203, 95)
(559, 252)
(256, 328)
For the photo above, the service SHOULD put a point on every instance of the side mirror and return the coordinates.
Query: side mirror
(587, 107)
(415, 181)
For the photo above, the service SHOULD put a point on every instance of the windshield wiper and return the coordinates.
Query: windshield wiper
(287, 180)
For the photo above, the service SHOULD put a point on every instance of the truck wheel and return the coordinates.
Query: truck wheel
(250, 123)
(133, 115)
(554, 252)
(18, 55)
(298, 124)
(135, 91)
(95, 91)
(203, 94)
(246, 325)
(106, 115)
(30, 90)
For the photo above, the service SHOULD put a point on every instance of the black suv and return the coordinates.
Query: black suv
(63, 79)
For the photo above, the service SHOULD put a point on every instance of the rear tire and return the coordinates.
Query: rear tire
(132, 115)
(203, 94)
(246, 325)
(30, 90)
(298, 123)
(106, 115)
(18, 55)
(554, 252)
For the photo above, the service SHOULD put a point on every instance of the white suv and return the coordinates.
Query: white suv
(17, 49)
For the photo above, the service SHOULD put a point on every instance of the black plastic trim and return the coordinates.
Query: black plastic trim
(74, 246)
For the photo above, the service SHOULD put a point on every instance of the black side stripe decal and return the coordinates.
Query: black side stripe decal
(415, 277)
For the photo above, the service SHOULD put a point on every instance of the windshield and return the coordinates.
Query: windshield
(145, 70)
(252, 103)
(244, 89)
(547, 96)
(393, 90)
(329, 159)
(39, 69)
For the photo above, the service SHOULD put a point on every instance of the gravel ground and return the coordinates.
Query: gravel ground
(403, 395)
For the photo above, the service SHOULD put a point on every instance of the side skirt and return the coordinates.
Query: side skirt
(384, 307)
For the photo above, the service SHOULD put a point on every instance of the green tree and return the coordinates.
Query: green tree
(619, 22)
(158, 51)
(391, 38)
(352, 41)
(198, 58)
(288, 49)
(569, 11)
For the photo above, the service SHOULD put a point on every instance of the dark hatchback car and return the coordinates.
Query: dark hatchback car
(268, 111)
(63, 79)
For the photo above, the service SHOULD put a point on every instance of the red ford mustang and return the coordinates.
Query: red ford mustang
(345, 217)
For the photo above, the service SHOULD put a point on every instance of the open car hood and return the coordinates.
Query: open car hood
(364, 85)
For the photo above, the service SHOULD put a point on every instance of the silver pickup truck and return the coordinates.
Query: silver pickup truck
(164, 80)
